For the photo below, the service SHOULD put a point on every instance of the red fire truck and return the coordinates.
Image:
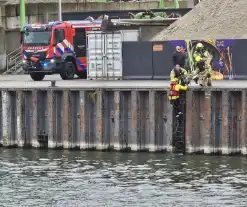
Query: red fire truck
(56, 48)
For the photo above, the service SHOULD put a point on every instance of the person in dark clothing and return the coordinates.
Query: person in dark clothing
(179, 57)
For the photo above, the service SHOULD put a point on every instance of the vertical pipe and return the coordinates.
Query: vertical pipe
(162, 5)
(176, 4)
(59, 10)
(22, 14)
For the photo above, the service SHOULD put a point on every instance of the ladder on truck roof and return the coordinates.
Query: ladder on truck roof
(86, 22)
(145, 22)
(118, 24)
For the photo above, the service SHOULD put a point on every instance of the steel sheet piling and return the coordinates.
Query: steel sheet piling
(136, 120)
(188, 121)
(216, 124)
(165, 140)
(74, 103)
(225, 123)
(66, 119)
(126, 120)
(6, 118)
(83, 120)
(92, 119)
(100, 142)
(152, 122)
(108, 120)
(52, 143)
(206, 125)
(34, 119)
(144, 124)
(117, 121)
(196, 120)
(21, 115)
(237, 123)
(1, 120)
(133, 141)
(243, 135)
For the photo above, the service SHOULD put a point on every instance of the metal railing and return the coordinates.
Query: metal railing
(13, 61)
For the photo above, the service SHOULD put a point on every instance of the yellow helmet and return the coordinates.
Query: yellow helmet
(198, 58)
(199, 45)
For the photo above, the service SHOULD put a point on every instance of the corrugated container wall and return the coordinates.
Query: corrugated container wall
(104, 53)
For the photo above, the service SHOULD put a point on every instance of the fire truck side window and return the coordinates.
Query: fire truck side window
(59, 35)
(80, 42)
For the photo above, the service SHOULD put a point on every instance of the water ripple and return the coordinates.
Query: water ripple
(71, 179)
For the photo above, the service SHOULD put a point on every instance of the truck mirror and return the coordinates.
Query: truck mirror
(22, 37)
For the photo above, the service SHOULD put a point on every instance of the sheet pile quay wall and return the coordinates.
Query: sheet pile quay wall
(135, 119)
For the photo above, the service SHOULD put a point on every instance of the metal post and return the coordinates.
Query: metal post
(162, 5)
(22, 14)
(60, 10)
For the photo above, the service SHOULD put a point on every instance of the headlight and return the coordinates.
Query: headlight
(24, 61)
(52, 61)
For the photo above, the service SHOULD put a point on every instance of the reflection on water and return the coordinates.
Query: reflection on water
(74, 178)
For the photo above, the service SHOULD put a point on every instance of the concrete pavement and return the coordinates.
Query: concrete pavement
(24, 81)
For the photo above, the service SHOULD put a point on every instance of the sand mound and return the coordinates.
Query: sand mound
(217, 19)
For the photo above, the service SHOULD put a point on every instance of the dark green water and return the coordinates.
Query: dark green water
(74, 179)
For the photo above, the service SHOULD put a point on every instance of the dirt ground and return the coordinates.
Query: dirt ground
(210, 19)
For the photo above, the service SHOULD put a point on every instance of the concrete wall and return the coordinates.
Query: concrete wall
(48, 12)
(182, 3)
(2, 48)
(12, 40)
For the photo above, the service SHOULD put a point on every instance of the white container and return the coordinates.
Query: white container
(104, 53)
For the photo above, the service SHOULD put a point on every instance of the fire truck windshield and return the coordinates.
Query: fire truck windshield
(37, 38)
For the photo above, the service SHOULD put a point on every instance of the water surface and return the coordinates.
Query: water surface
(75, 179)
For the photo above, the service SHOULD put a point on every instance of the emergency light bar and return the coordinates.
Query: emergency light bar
(36, 25)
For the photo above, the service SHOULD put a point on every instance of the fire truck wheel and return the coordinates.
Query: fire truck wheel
(37, 76)
(68, 71)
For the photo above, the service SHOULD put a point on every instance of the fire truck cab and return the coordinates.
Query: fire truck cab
(56, 48)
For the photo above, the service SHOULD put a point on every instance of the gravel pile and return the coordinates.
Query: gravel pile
(209, 19)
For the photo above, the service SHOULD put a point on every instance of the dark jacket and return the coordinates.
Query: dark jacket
(179, 58)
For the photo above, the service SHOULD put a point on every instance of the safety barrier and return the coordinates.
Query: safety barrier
(153, 60)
